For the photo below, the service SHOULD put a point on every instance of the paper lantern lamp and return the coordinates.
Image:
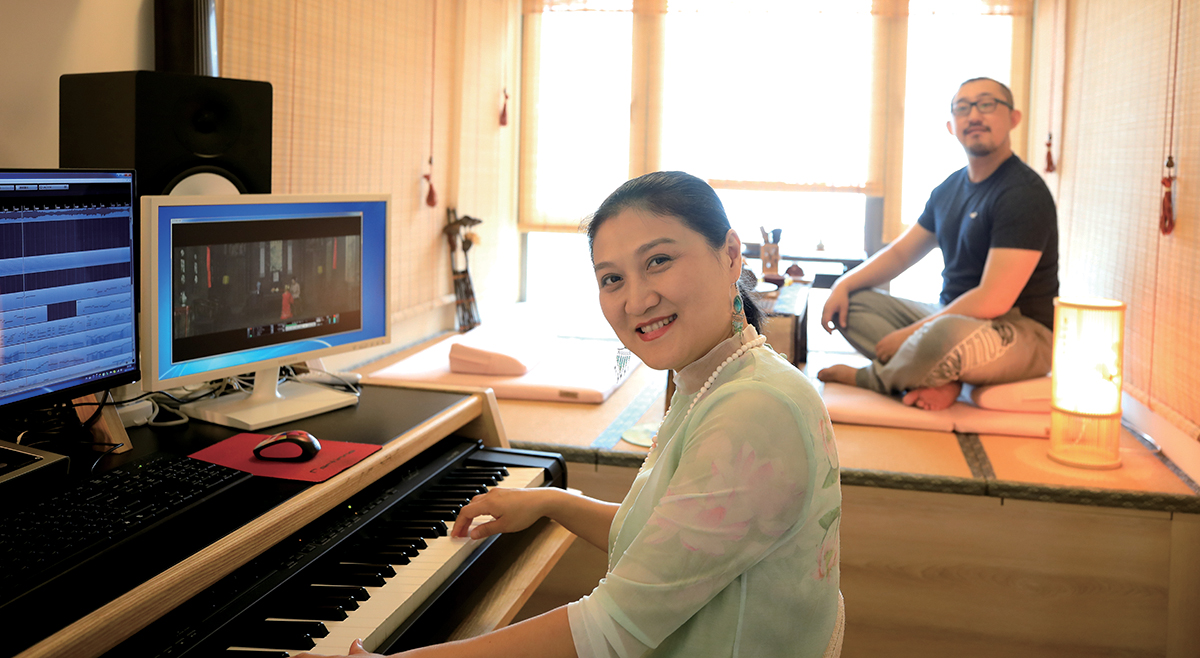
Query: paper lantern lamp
(1085, 422)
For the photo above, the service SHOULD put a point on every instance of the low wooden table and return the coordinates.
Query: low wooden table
(786, 327)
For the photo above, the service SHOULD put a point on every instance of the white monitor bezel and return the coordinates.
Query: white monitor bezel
(150, 285)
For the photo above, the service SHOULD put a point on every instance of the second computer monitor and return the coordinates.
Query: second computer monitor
(237, 284)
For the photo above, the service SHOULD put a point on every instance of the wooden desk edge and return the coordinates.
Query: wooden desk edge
(504, 599)
(121, 618)
(486, 427)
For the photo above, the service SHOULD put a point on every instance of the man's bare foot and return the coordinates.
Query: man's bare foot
(933, 399)
(841, 374)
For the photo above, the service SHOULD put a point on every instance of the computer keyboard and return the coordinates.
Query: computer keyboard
(41, 539)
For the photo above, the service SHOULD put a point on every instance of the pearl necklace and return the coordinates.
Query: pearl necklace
(761, 340)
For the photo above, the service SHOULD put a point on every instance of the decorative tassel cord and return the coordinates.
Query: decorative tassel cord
(1166, 218)
(1050, 118)
(431, 198)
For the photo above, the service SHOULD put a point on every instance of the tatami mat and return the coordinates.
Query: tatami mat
(900, 450)
(1018, 459)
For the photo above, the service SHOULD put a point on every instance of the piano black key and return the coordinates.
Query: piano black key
(466, 492)
(503, 471)
(347, 596)
(468, 480)
(408, 548)
(382, 568)
(368, 555)
(294, 635)
(348, 574)
(500, 472)
(305, 610)
(440, 506)
(426, 515)
(408, 530)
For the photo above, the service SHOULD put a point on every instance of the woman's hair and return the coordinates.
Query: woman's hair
(676, 194)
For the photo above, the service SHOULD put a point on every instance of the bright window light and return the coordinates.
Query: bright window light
(583, 110)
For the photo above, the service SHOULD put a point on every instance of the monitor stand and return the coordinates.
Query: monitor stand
(271, 403)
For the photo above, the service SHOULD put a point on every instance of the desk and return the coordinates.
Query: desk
(404, 421)
(848, 261)
(786, 326)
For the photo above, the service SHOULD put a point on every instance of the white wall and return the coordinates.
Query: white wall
(43, 39)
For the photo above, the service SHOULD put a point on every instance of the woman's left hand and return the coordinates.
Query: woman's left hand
(356, 651)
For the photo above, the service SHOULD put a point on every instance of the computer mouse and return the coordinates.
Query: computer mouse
(278, 447)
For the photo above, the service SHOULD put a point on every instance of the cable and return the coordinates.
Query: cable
(114, 448)
(182, 420)
(104, 398)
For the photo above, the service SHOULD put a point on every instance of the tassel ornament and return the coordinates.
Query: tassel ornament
(431, 197)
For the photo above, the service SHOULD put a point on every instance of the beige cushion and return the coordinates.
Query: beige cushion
(1029, 396)
(859, 406)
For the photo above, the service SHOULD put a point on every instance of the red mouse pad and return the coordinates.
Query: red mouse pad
(238, 452)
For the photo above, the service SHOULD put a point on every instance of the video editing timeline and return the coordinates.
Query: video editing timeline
(66, 280)
(285, 278)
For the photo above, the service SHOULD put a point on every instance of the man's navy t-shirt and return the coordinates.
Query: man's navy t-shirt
(1011, 209)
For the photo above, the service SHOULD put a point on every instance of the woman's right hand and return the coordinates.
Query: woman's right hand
(512, 510)
(838, 305)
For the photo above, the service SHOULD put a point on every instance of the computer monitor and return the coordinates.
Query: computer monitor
(249, 283)
(67, 284)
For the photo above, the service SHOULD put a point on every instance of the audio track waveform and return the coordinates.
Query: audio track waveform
(29, 299)
(66, 327)
(64, 360)
(38, 379)
(32, 350)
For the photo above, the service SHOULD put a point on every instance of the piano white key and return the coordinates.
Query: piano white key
(379, 616)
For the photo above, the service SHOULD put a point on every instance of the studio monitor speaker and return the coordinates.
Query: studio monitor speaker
(178, 131)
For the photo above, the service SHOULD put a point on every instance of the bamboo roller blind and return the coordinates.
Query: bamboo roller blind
(353, 96)
(1115, 122)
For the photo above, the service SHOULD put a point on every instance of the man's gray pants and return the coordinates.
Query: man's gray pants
(950, 348)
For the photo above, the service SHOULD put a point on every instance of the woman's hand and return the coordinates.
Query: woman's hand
(512, 510)
(356, 651)
(838, 305)
(887, 346)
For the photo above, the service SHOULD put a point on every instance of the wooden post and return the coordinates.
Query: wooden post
(108, 430)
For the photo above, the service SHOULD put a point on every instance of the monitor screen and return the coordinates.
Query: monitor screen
(67, 284)
(239, 284)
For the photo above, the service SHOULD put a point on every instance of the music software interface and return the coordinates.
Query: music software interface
(239, 284)
(67, 313)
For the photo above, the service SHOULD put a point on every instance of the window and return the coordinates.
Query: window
(931, 153)
(583, 111)
(765, 111)
(780, 104)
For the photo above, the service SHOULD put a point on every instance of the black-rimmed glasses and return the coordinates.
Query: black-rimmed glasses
(985, 105)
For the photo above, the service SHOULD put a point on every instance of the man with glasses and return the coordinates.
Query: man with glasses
(995, 222)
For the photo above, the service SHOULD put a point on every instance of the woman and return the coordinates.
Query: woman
(727, 543)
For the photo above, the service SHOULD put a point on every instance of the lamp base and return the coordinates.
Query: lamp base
(1088, 460)
(1085, 441)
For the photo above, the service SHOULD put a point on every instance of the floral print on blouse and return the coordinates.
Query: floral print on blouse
(727, 543)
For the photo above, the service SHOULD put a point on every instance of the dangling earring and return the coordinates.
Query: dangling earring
(623, 357)
(739, 312)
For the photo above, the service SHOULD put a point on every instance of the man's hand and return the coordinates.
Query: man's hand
(887, 346)
(838, 305)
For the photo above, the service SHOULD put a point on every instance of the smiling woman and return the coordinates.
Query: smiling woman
(667, 265)
(727, 542)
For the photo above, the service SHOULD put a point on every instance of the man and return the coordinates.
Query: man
(996, 225)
